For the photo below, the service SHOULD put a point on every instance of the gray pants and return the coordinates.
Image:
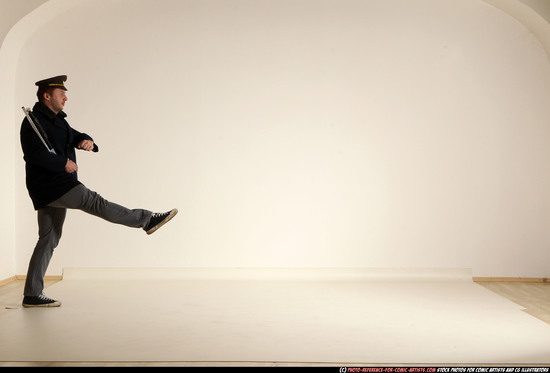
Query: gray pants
(50, 226)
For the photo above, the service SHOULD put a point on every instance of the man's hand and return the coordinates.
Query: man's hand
(87, 145)
(71, 167)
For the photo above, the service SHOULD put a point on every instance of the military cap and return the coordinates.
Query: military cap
(55, 82)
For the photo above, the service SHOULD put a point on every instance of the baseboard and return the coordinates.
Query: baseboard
(475, 279)
(512, 279)
(268, 274)
(23, 277)
(55, 278)
(8, 280)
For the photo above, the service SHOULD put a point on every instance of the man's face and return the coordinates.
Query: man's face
(56, 100)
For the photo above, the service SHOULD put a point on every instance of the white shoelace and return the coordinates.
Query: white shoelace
(44, 297)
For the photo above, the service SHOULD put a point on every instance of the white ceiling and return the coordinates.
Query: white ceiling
(11, 11)
(542, 7)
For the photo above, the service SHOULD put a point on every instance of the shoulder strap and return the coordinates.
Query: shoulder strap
(37, 127)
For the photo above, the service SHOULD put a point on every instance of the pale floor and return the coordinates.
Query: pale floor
(534, 297)
(461, 324)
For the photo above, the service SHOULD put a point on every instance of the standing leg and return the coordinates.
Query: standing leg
(50, 227)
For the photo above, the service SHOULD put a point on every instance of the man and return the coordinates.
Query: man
(53, 185)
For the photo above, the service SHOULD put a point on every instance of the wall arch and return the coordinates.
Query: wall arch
(212, 199)
(529, 16)
(9, 114)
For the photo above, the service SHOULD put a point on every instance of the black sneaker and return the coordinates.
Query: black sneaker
(159, 219)
(40, 301)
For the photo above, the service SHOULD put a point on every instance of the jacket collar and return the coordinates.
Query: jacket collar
(41, 107)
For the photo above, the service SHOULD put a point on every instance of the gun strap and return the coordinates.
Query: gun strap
(37, 131)
(41, 129)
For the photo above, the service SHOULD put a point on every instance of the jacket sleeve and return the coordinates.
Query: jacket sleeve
(79, 137)
(36, 153)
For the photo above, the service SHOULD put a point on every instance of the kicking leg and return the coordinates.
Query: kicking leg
(84, 199)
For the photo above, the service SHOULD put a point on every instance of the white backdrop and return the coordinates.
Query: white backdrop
(299, 133)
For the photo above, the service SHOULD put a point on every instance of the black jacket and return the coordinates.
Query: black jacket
(46, 177)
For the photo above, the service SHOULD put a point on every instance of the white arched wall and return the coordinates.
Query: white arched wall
(10, 112)
(353, 134)
(533, 14)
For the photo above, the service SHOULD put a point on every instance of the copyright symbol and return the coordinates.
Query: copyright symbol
(343, 370)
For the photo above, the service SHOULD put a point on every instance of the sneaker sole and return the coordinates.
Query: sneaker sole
(54, 304)
(166, 220)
